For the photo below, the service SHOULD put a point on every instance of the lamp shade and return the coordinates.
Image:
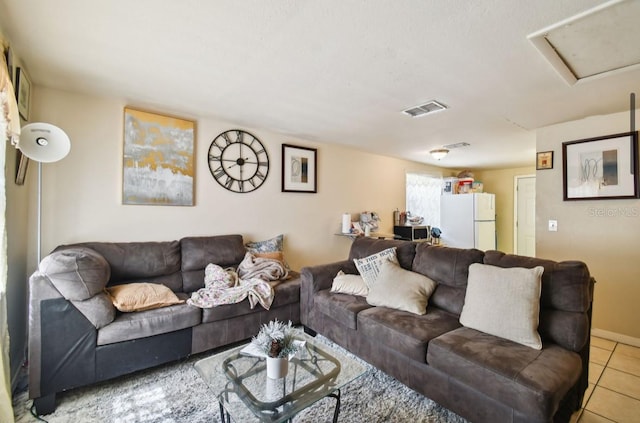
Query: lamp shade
(44, 142)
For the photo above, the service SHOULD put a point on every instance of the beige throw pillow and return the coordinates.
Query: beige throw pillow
(401, 289)
(141, 296)
(504, 302)
(349, 284)
(369, 267)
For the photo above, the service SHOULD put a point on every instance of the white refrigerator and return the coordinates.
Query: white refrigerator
(468, 221)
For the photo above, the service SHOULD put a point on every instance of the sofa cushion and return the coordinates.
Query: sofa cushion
(504, 302)
(564, 300)
(532, 382)
(99, 309)
(140, 324)
(77, 273)
(133, 261)
(404, 332)
(198, 252)
(343, 308)
(449, 267)
(286, 292)
(365, 246)
(369, 267)
(141, 296)
(401, 289)
(345, 283)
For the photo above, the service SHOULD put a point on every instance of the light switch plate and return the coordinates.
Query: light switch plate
(553, 226)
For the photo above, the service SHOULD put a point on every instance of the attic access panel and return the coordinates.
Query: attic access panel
(595, 43)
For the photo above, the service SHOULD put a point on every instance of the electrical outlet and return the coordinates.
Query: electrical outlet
(553, 226)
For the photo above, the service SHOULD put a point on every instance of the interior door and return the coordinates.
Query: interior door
(525, 218)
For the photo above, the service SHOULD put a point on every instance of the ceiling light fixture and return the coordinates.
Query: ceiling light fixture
(439, 153)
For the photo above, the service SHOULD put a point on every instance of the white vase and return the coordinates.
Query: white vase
(277, 368)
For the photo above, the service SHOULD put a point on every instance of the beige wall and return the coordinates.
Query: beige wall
(501, 183)
(603, 233)
(82, 193)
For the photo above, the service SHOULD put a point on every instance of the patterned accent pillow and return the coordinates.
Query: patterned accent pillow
(272, 245)
(217, 277)
(369, 267)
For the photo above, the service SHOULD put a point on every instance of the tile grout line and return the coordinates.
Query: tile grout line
(595, 385)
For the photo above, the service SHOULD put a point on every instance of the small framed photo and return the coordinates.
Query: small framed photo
(22, 163)
(601, 168)
(8, 57)
(544, 160)
(23, 92)
(299, 169)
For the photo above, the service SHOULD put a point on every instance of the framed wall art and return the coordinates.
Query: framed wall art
(601, 168)
(299, 169)
(23, 93)
(544, 160)
(158, 167)
(22, 164)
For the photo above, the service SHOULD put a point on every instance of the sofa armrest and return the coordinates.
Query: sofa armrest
(317, 278)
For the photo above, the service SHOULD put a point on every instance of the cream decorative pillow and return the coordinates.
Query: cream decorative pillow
(349, 284)
(401, 289)
(504, 302)
(141, 296)
(369, 267)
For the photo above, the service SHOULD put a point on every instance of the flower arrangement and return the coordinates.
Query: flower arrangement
(276, 339)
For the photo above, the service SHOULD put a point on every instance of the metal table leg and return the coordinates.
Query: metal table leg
(336, 395)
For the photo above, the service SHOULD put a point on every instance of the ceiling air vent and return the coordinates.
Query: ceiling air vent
(456, 145)
(423, 109)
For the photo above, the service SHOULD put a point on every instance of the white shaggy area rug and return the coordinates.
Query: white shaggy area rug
(174, 393)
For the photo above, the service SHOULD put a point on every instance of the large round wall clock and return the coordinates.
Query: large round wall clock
(238, 161)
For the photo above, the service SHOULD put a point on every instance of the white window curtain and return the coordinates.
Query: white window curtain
(423, 197)
(9, 128)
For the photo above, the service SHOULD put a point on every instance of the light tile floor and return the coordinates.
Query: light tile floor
(614, 384)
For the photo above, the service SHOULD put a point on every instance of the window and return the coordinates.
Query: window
(423, 197)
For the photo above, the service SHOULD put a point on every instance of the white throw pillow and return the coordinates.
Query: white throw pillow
(504, 302)
(349, 284)
(369, 267)
(401, 289)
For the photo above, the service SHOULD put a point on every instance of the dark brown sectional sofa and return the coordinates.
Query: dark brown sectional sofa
(481, 377)
(77, 338)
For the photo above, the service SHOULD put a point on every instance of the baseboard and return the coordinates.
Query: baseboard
(618, 337)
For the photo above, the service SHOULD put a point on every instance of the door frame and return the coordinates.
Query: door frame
(515, 208)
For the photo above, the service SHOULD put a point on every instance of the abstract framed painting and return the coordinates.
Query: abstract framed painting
(299, 169)
(158, 166)
(601, 168)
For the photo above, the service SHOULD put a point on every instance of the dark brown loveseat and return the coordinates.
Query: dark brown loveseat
(76, 337)
(482, 377)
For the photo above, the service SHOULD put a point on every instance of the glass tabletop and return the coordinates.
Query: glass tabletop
(241, 385)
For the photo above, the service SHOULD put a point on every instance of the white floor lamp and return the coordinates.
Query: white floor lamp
(44, 143)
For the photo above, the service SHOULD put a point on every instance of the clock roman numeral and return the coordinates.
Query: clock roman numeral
(226, 139)
(228, 182)
(259, 174)
(241, 186)
(239, 136)
(266, 164)
(219, 172)
(214, 157)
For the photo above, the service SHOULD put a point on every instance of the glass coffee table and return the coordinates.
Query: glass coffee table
(245, 394)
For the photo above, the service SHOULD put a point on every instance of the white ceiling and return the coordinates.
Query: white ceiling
(337, 71)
